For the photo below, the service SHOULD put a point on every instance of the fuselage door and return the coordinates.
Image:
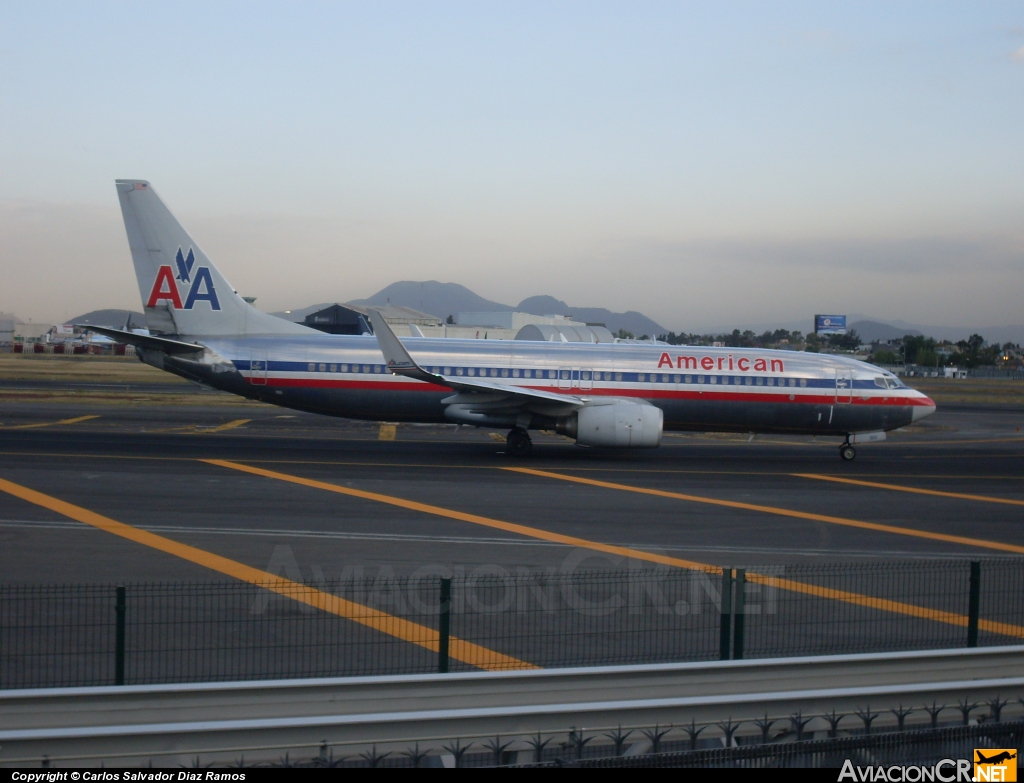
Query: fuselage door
(844, 387)
(258, 368)
(586, 380)
(564, 378)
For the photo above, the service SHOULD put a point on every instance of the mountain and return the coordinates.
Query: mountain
(870, 331)
(444, 299)
(430, 296)
(115, 319)
(636, 323)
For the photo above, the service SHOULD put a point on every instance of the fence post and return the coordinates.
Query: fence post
(120, 609)
(739, 611)
(444, 625)
(726, 622)
(973, 604)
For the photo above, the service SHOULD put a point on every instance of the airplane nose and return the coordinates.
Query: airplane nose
(923, 408)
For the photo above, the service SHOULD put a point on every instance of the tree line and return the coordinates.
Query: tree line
(911, 349)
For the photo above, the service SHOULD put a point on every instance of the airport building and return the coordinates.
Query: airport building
(502, 325)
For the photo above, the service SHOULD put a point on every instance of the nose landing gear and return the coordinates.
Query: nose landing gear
(518, 443)
(847, 452)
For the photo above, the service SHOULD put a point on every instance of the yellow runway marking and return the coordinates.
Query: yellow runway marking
(51, 423)
(199, 429)
(915, 490)
(882, 604)
(435, 466)
(496, 524)
(783, 512)
(225, 427)
(421, 635)
(387, 432)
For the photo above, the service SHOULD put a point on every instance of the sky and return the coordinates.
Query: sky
(708, 164)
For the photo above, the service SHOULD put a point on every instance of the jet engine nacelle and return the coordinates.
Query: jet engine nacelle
(623, 425)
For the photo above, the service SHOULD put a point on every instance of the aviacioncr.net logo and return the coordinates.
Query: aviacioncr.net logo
(946, 771)
(200, 284)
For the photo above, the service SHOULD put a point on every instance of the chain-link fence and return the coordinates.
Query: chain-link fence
(71, 635)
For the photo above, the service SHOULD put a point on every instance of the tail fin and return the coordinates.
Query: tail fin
(183, 293)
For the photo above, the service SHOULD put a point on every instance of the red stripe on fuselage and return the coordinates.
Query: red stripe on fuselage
(783, 395)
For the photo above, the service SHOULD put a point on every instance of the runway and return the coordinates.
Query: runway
(310, 497)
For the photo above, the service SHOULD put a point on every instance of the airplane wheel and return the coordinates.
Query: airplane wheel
(518, 443)
(847, 452)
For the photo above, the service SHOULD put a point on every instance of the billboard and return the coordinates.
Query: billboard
(830, 324)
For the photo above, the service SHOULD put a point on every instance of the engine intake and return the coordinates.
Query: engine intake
(622, 425)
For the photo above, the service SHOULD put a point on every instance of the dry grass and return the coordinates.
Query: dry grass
(103, 369)
(82, 369)
(972, 391)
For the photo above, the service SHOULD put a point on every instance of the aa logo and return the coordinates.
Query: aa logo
(995, 764)
(200, 285)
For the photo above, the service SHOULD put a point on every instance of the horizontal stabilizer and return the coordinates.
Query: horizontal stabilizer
(144, 340)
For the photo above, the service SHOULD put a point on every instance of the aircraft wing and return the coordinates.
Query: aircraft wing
(143, 340)
(401, 363)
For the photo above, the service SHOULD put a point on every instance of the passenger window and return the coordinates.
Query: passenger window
(641, 378)
(803, 381)
(378, 368)
(323, 368)
(344, 368)
(515, 373)
(448, 371)
(458, 371)
(552, 374)
(689, 379)
(472, 371)
(760, 381)
(618, 376)
(749, 381)
(334, 368)
(585, 375)
(504, 373)
(771, 381)
(700, 379)
(366, 368)
(527, 373)
(792, 381)
(312, 367)
(494, 372)
(713, 379)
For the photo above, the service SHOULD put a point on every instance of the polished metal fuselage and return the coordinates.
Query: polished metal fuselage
(697, 387)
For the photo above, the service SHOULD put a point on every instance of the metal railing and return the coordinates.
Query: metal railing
(78, 635)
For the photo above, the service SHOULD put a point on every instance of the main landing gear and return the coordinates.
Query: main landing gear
(847, 452)
(518, 443)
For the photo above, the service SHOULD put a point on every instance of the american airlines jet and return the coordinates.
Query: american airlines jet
(621, 395)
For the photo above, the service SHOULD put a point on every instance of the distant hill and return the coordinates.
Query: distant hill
(870, 331)
(115, 319)
(430, 296)
(444, 299)
(636, 323)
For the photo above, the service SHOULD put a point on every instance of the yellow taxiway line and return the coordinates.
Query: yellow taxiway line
(75, 420)
(882, 604)
(915, 490)
(777, 511)
(417, 634)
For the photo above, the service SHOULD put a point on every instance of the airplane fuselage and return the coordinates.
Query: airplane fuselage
(698, 388)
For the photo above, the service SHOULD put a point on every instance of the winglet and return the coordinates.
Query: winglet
(396, 357)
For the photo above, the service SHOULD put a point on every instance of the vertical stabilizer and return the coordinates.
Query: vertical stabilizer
(183, 293)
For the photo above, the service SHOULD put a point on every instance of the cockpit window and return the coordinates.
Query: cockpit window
(889, 383)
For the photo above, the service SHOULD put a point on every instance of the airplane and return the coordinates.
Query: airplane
(1004, 756)
(601, 395)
